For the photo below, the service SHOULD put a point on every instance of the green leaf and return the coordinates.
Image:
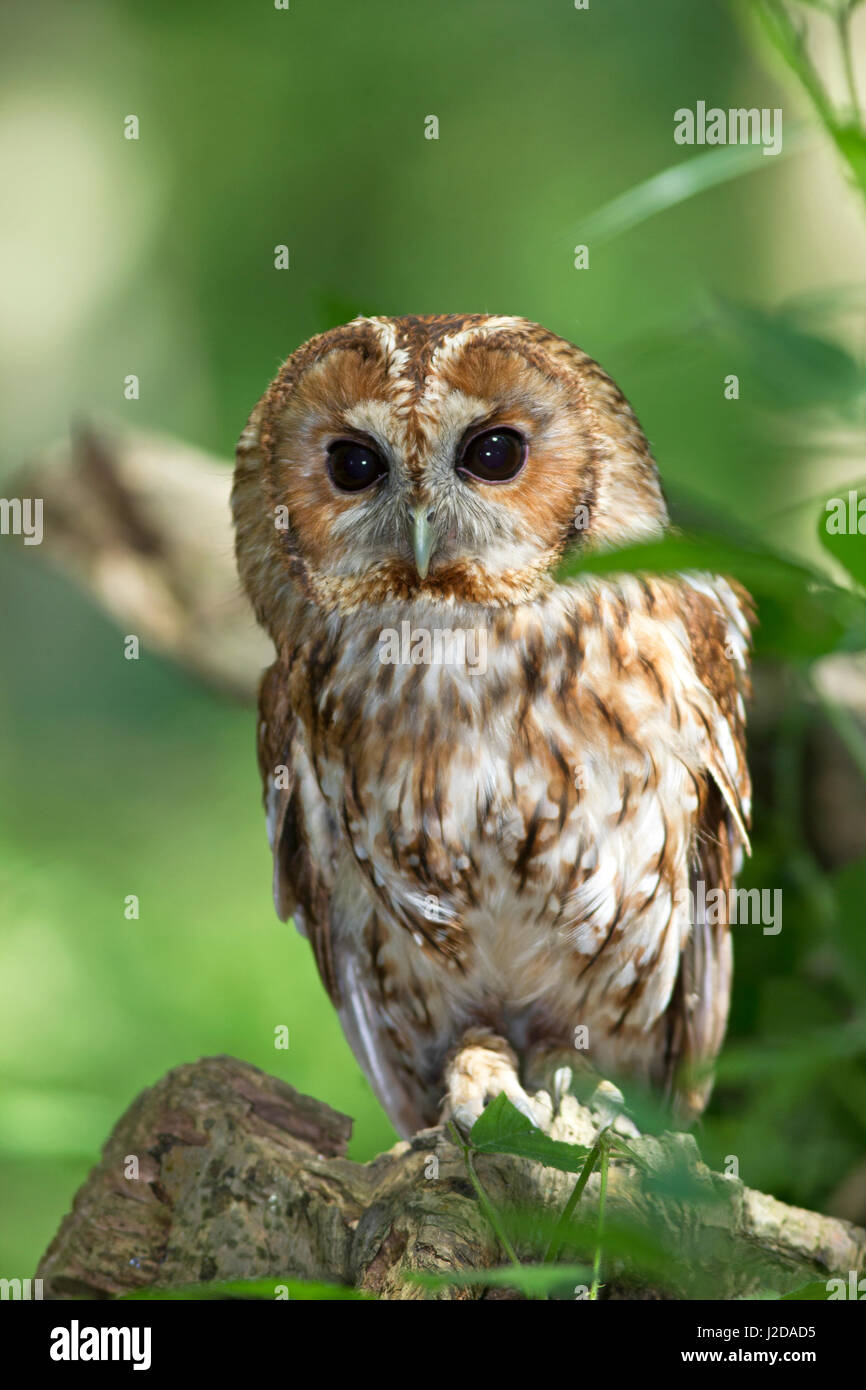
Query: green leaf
(502, 1129)
(801, 613)
(529, 1279)
(847, 544)
(793, 367)
(851, 143)
(677, 184)
(297, 1289)
(815, 1292)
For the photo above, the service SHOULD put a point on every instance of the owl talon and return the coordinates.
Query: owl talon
(531, 1107)
(545, 1110)
(563, 1074)
(607, 1105)
(464, 1116)
(482, 1068)
(562, 1079)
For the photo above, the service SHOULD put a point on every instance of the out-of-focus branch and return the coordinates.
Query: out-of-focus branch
(142, 522)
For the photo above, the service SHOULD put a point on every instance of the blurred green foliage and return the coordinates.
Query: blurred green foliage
(305, 127)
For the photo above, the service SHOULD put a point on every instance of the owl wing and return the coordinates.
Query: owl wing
(317, 883)
(717, 617)
(303, 844)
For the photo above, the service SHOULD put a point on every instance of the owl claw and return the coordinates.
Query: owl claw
(564, 1076)
(532, 1107)
(482, 1068)
(465, 1115)
(607, 1104)
(562, 1079)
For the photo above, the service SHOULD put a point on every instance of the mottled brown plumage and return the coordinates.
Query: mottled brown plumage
(488, 854)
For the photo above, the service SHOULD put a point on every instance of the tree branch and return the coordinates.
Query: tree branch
(143, 524)
(241, 1177)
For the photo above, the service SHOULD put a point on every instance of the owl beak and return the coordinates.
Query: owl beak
(424, 539)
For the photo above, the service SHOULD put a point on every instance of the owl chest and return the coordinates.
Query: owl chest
(436, 771)
(477, 800)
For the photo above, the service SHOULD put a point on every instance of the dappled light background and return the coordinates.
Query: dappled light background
(156, 257)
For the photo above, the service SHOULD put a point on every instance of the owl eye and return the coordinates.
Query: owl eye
(354, 466)
(493, 457)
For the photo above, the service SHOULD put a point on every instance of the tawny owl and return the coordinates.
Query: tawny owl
(490, 795)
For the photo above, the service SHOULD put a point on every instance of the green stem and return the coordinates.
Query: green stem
(602, 1194)
(558, 1238)
(788, 41)
(483, 1200)
(843, 24)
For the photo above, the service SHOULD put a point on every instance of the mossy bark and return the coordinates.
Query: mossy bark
(220, 1172)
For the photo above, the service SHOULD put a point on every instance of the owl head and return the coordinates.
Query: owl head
(451, 457)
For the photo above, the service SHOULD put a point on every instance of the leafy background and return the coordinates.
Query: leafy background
(156, 257)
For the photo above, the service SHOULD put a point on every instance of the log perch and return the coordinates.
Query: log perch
(239, 1176)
